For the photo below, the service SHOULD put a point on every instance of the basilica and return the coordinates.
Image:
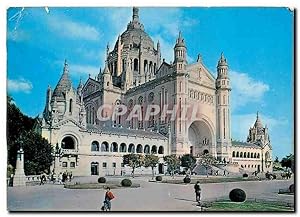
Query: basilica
(178, 108)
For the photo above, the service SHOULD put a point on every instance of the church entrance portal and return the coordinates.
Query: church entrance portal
(200, 138)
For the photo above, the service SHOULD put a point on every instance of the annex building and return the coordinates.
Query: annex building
(136, 76)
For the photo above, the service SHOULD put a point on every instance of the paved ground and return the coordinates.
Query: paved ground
(149, 197)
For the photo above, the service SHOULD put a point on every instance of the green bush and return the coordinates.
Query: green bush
(245, 175)
(101, 180)
(292, 188)
(237, 195)
(126, 182)
(187, 179)
(158, 178)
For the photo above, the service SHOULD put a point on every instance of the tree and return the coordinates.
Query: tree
(173, 163)
(188, 161)
(134, 161)
(17, 123)
(151, 160)
(207, 160)
(288, 162)
(37, 150)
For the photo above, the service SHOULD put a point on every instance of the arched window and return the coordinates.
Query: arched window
(68, 143)
(150, 67)
(154, 150)
(267, 155)
(245, 154)
(147, 149)
(145, 66)
(254, 155)
(237, 154)
(104, 146)
(258, 155)
(93, 115)
(114, 147)
(87, 115)
(123, 147)
(248, 155)
(70, 105)
(241, 154)
(233, 154)
(161, 150)
(95, 146)
(139, 148)
(131, 148)
(251, 155)
(136, 65)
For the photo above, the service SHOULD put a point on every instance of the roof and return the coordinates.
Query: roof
(133, 132)
(244, 144)
(64, 84)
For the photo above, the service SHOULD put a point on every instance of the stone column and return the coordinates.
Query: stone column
(19, 177)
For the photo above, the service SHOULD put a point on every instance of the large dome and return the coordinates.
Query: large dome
(135, 33)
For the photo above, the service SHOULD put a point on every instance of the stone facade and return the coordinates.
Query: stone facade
(135, 75)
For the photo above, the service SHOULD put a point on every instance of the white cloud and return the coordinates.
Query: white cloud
(245, 89)
(71, 29)
(83, 70)
(240, 124)
(20, 85)
(18, 35)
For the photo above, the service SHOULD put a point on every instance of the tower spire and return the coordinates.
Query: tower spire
(135, 14)
(66, 67)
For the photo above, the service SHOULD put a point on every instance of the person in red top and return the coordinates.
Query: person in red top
(108, 197)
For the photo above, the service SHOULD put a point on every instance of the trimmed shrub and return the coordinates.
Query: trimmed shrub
(245, 175)
(158, 178)
(237, 195)
(292, 188)
(274, 176)
(101, 180)
(126, 183)
(187, 179)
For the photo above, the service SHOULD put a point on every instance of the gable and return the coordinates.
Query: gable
(163, 70)
(68, 122)
(199, 73)
(91, 86)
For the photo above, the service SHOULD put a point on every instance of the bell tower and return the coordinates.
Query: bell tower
(180, 54)
(223, 110)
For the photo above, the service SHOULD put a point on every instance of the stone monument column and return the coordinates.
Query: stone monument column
(19, 177)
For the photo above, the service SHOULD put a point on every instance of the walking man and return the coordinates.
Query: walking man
(108, 197)
(198, 192)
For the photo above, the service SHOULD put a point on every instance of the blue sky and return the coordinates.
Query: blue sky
(257, 42)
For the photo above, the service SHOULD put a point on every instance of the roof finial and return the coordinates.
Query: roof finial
(180, 34)
(135, 14)
(66, 70)
(257, 115)
(107, 50)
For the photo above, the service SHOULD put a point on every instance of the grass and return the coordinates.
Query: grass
(210, 180)
(98, 185)
(249, 206)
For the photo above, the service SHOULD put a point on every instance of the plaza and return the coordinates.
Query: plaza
(149, 197)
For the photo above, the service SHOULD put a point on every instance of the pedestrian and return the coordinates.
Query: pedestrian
(60, 177)
(107, 200)
(224, 173)
(42, 178)
(54, 177)
(71, 176)
(198, 192)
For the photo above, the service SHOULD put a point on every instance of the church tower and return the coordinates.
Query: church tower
(223, 110)
(180, 54)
